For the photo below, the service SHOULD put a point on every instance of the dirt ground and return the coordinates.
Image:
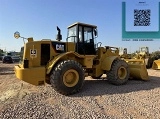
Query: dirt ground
(136, 99)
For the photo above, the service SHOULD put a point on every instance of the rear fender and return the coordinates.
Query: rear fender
(53, 61)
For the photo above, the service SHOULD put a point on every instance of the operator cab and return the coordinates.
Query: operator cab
(83, 35)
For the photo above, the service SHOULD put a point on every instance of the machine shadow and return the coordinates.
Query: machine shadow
(102, 87)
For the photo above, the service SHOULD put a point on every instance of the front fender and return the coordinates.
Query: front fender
(107, 62)
(52, 62)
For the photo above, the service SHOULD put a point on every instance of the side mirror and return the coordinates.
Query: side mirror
(95, 32)
(16, 34)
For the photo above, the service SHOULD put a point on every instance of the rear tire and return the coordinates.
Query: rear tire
(119, 72)
(67, 77)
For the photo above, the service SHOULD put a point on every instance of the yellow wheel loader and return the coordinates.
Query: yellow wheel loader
(145, 55)
(125, 55)
(65, 64)
(156, 62)
(150, 59)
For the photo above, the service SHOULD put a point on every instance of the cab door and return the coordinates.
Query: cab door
(85, 44)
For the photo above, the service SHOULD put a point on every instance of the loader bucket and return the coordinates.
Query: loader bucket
(156, 64)
(137, 69)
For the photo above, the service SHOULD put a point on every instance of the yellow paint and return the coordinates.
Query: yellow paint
(33, 76)
(107, 62)
(137, 69)
(156, 64)
(122, 72)
(84, 60)
(70, 78)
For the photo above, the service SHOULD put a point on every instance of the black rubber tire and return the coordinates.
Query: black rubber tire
(112, 75)
(56, 77)
(149, 62)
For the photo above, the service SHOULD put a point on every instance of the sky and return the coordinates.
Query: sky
(39, 18)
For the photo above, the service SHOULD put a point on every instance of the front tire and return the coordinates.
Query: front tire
(119, 72)
(67, 77)
(149, 62)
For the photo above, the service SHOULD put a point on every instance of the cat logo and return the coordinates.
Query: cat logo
(33, 53)
(59, 47)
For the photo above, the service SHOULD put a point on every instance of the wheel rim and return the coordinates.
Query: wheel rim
(122, 72)
(70, 78)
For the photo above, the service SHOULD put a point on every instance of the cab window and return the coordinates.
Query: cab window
(80, 34)
(72, 34)
(87, 34)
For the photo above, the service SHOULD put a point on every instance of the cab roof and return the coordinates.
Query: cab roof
(83, 24)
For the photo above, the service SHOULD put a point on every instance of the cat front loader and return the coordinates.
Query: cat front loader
(65, 64)
(156, 62)
(125, 54)
(137, 64)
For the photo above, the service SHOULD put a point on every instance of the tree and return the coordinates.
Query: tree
(156, 53)
(1, 52)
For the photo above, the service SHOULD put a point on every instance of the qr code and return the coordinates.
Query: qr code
(142, 17)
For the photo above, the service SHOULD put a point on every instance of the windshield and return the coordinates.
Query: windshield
(72, 34)
(143, 50)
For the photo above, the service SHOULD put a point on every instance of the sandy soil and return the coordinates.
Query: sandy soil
(136, 99)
